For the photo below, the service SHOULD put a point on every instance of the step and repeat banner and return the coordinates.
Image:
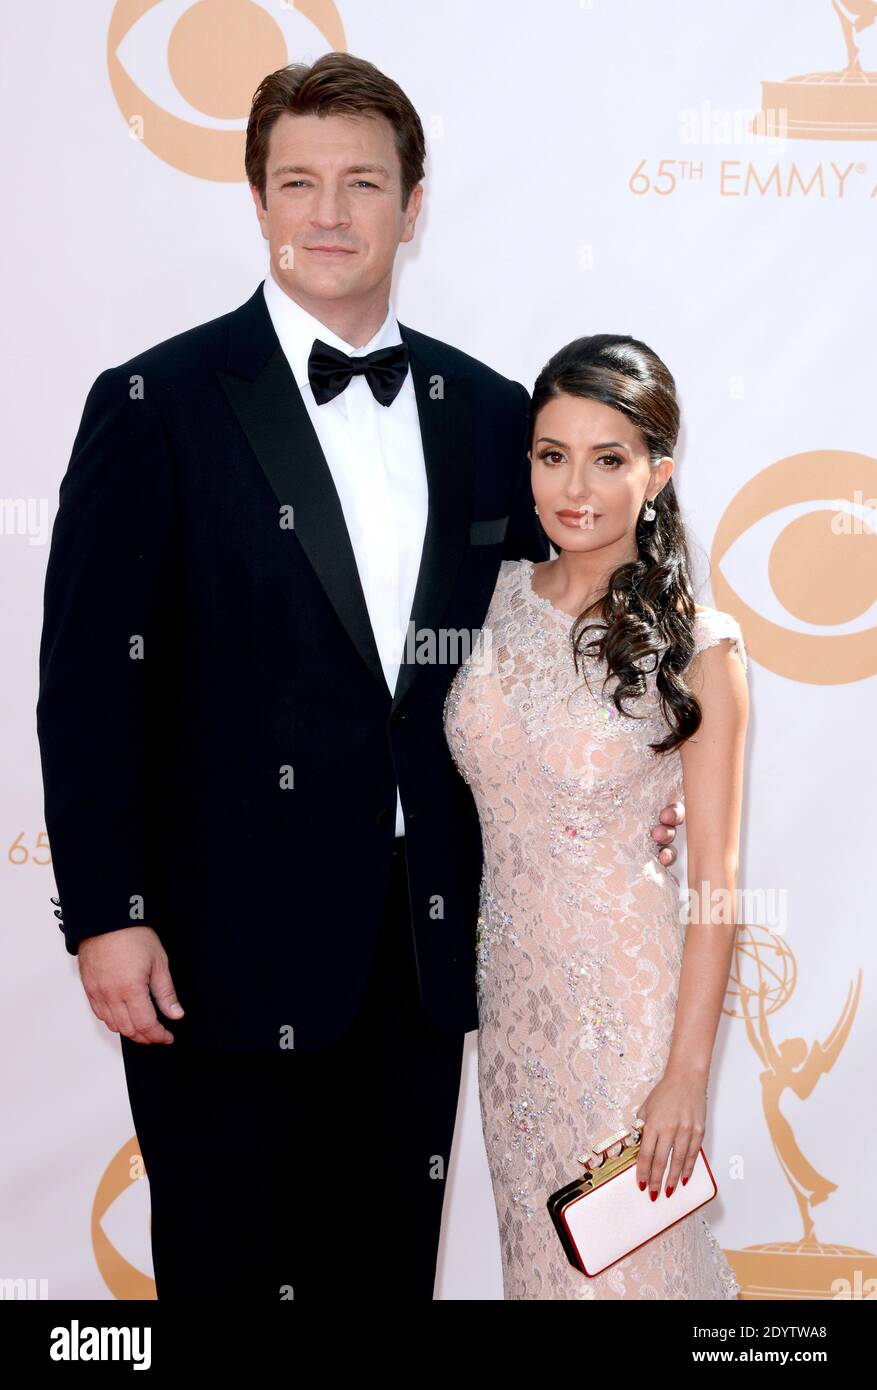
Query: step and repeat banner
(701, 177)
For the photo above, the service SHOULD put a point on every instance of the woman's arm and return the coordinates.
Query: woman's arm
(712, 769)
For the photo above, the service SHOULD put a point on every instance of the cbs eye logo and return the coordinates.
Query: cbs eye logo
(120, 1204)
(215, 54)
(795, 561)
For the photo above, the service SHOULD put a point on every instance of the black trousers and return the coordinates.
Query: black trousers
(305, 1175)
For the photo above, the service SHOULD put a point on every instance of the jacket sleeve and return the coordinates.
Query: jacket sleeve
(107, 588)
(525, 539)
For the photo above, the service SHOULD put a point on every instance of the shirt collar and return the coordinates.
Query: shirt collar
(297, 329)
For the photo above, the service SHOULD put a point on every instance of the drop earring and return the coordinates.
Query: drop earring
(649, 514)
(536, 510)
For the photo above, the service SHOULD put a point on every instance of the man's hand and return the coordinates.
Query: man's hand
(665, 834)
(119, 971)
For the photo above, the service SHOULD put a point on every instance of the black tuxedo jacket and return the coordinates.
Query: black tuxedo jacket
(220, 750)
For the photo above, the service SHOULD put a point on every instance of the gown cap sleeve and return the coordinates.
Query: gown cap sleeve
(711, 625)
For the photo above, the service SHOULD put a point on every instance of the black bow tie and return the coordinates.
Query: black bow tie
(329, 371)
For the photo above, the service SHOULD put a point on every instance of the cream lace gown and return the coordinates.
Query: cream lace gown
(580, 939)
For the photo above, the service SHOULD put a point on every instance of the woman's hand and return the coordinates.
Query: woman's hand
(675, 1118)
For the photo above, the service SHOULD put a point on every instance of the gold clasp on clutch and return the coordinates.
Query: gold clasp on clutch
(602, 1164)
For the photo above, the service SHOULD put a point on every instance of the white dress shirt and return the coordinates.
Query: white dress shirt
(375, 456)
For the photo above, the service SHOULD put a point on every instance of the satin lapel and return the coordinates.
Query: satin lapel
(444, 408)
(266, 400)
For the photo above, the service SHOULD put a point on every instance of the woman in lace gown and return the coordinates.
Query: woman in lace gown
(597, 1002)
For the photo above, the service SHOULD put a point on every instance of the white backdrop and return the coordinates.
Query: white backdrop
(590, 168)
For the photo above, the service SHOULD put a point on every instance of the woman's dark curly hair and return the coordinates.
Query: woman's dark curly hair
(648, 607)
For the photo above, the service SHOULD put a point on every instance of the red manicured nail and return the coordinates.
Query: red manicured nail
(642, 1187)
(653, 1192)
(684, 1181)
(669, 1192)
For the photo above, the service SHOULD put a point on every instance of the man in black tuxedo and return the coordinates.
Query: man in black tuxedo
(249, 797)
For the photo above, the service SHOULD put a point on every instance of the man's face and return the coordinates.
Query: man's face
(334, 182)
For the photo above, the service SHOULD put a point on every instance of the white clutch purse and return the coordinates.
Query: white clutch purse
(603, 1216)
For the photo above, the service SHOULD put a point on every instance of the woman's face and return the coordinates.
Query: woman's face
(591, 475)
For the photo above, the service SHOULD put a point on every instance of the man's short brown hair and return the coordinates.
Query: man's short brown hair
(341, 85)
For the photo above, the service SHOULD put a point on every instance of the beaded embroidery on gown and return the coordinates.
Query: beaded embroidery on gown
(579, 945)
